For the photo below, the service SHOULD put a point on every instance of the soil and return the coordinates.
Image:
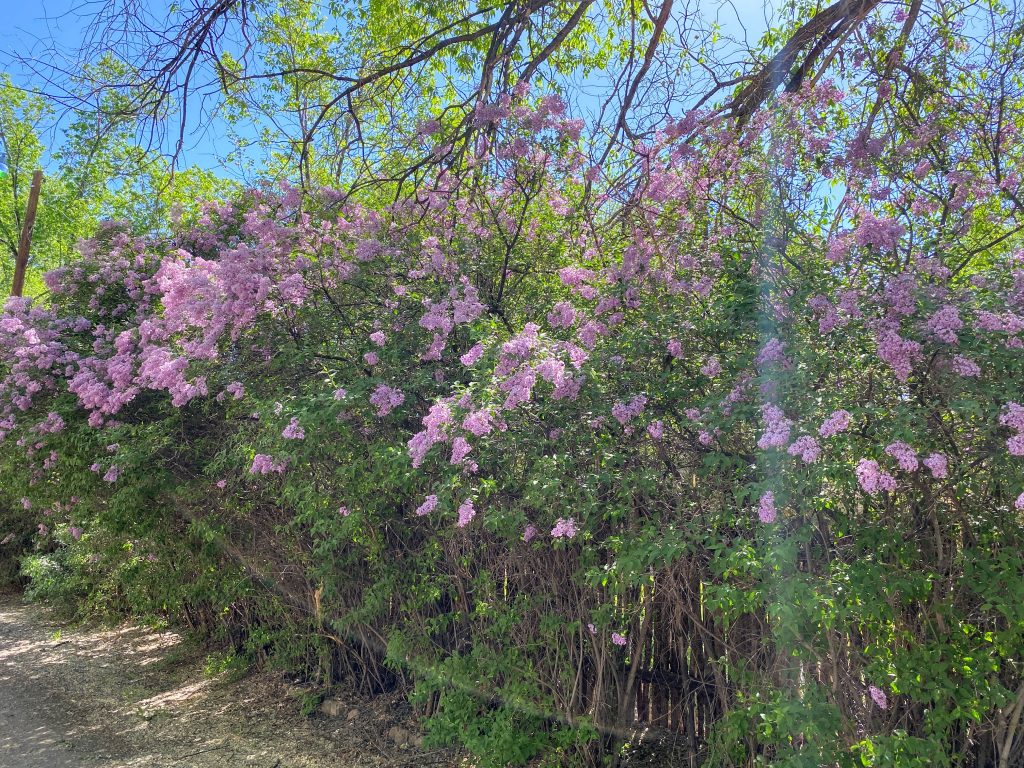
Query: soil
(130, 697)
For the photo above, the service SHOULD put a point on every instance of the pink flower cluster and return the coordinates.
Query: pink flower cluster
(966, 367)
(473, 355)
(838, 421)
(873, 479)
(712, 367)
(938, 464)
(53, 424)
(626, 412)
(806, 447)
(435, 423)
(1013, 418)
(878, 696)
(294, 431)
(880, 233)
(562, 315)
(460, 449)
(386, 399)
(776, 427)
(565, 528)
(429, 505)
(904, 455)
(262, 464)
(898, 353)
(466, 513)
(945, 323)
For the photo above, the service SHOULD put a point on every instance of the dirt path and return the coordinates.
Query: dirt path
(128, 698)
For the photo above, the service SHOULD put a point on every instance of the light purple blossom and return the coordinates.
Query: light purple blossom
(1014, 419)
(937, 463)
(766, 512)
(838, 421)
(294, 431)
(475, 353)
(774, 351)
(904, 455)
(806, 447)
(429, 505)
(776, 427)
(478, 422)
(873, 479)
(262, 464)
(712, 367)
(386, 399)
(878, 696)
(460, 449)
(945, 323)
(53, 424)
(626, 412)
(466, 513)
(880, 233)
(564, 528)
(898, 353)
(966, 367)
(562, 315)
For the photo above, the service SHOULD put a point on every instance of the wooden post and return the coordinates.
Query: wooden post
(21, 262)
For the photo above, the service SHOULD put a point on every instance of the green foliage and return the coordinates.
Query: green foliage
(858, 628)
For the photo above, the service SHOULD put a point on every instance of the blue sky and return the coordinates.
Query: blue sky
(37, 27)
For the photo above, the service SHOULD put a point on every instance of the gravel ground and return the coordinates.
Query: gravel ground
(130, 697)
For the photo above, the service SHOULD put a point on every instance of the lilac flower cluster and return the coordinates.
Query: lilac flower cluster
(262, 464)
(904, 455)
(564, 528)
(838, 421)
(1013, 418)
(776, 427)
(386, 399)
(806, 447)
(294, 431)
(873, 479)
(938, 464)
(626, 412)
(429, 505)
(466, 513)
